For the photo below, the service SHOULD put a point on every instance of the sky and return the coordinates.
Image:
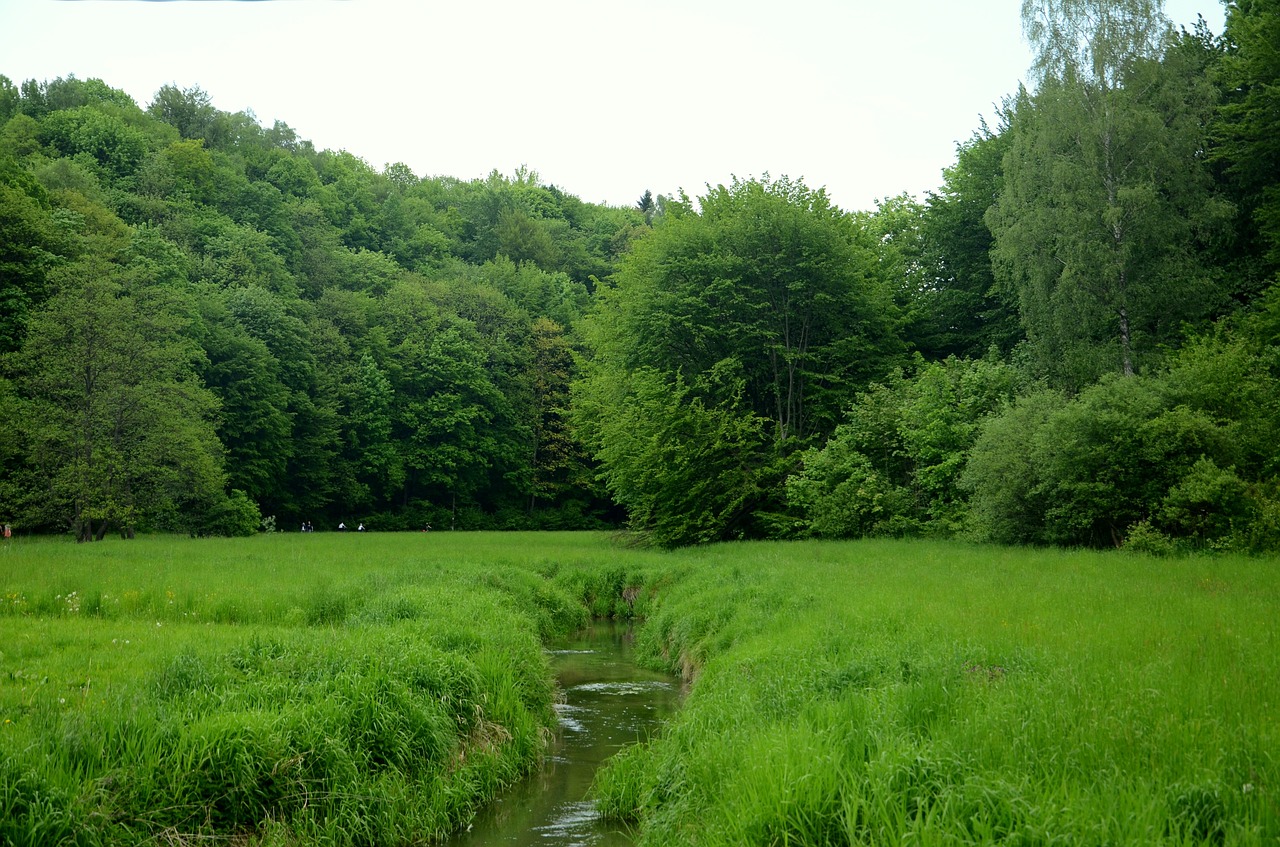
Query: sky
(604, 98)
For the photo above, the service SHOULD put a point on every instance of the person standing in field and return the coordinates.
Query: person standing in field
(8, 532)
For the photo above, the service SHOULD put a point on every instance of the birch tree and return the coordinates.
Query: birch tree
(1106, 199)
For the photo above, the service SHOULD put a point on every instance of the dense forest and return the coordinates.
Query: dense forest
(208, 326)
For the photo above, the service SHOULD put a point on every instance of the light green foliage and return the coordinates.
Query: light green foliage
(687, 469)
(731, 339)
(893, 467)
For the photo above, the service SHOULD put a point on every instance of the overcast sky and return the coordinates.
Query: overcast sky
(604, 98)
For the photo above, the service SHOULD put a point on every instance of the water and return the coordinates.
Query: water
(609, 703)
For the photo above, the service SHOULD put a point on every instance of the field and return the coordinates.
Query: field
(377, 689)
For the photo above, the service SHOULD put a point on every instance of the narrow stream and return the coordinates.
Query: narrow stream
(609, 703)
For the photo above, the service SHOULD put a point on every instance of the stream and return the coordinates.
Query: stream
(609, 703)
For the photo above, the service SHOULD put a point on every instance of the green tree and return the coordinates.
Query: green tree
(119, 432)
(28, 248)
(556, 459)
(1106, 196)
(765, 304)
(965, 312)
(1248, 131)
(893, 467)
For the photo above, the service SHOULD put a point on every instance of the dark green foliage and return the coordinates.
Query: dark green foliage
(1248, 144)
(359, 363)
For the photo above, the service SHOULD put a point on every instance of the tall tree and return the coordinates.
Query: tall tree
(1106, 195)
(1248, 133)
(118, 430)
(762, 311)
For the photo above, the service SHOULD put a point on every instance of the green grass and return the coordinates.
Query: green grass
(320, 688)
(356, 689)
(888, 693)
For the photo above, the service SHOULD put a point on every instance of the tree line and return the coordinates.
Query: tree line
(206, 324)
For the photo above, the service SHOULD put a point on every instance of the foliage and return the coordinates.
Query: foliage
(1245, 131)
(118, 433)
(343, 343)
(1107, 201)
(893, 467)
(687, 471)
(1180, 452)
(359, 341)
(732, 336)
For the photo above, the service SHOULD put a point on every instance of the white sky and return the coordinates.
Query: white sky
(604, 98)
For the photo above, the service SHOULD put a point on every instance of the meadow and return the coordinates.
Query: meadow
(379, 688)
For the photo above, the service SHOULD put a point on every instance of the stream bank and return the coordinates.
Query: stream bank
(609, 702)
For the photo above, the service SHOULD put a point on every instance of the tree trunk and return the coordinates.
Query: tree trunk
(1126, 354)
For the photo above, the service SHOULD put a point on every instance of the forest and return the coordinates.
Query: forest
(210, 327)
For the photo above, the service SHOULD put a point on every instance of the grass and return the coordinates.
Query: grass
(889, 693)
(353, 689)
(321, 689)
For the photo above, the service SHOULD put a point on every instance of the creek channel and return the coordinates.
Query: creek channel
(609, 703)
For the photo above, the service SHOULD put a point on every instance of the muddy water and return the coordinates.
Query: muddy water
(609, 703)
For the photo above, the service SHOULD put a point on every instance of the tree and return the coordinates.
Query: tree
(1248, 131)
(764, 306)
(646, 206)
(556, 461)
(28, 245)
(966, 311)
(893, 466)
(1106, 196)
(118, 430)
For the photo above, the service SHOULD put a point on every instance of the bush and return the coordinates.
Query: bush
(1142, 537)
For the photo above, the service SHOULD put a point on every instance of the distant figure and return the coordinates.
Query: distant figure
(361, 527)
(342, 527)
(427, 528)
(8, 532)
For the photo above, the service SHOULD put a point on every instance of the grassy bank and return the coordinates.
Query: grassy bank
(319, 689)
(354, 689)
(890, 693)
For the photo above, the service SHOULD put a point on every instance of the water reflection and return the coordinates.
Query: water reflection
(608, 704)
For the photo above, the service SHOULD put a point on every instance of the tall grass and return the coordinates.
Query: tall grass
(889, 693)
(376, 689)
(323, 689)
